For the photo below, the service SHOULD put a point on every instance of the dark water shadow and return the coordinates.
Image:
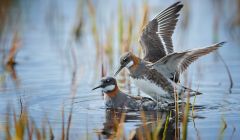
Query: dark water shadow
(151, 124)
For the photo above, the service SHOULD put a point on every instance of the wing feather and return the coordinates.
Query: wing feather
(156, 38)
(179, 62)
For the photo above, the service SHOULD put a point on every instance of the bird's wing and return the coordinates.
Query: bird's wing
(179, 62)
(156, 38)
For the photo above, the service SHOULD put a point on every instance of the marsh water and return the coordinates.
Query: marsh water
(46, 75)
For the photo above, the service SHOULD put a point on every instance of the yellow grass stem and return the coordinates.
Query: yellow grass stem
(120, 25)
(145, 128)
(185, 119)
(194, 101)
(108, 47)
(222, 129)
(77, 29)
(127, 41)
(92, 12)
(144, 22)
(63, 124)
(120, 130)
(145, 15)
(157, 130)
(166, 127)
(10, 60)
(176, 114)
(7, 126)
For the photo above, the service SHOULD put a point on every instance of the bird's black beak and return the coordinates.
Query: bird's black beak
(119, 69)
(100, 86)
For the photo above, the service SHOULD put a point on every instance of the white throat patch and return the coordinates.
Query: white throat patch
(109, 88)
(130, 64)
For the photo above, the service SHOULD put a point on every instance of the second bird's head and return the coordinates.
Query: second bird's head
(107, 84)
(127, 60)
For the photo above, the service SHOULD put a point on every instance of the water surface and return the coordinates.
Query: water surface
(45, 67)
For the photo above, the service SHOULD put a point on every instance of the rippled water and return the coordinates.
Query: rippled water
(44, 68)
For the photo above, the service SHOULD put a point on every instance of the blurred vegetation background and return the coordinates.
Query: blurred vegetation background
(52, 52)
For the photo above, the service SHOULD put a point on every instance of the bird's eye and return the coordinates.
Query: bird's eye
(107, 80)
(125, 60)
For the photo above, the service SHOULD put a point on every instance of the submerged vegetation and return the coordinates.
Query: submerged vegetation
(109, 33)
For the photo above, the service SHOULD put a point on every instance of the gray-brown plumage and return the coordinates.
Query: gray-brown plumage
(158, 72)
(178, 62)
(152, 82)
(156, 38)
(116, 99)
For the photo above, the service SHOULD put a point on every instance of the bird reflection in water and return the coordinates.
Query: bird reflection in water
(152, 122)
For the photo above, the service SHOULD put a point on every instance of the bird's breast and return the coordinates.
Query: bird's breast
(150, 88)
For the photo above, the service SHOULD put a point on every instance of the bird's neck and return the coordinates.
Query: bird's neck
(136, 62)
(113, 93)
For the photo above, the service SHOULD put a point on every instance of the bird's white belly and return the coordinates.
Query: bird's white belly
(150, 88)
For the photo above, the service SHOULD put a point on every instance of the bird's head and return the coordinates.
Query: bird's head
(127, 60)
(107, 84)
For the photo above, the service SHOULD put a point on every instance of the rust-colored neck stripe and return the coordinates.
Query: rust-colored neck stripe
(136, 61)
(113, 93)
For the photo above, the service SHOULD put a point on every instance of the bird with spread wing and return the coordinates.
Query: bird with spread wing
(157, 73)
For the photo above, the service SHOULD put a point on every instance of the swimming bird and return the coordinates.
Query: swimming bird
(115, 98)
(157, 74)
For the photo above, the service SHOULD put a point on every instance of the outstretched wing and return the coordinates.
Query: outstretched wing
(156, 38)
(179, 62)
